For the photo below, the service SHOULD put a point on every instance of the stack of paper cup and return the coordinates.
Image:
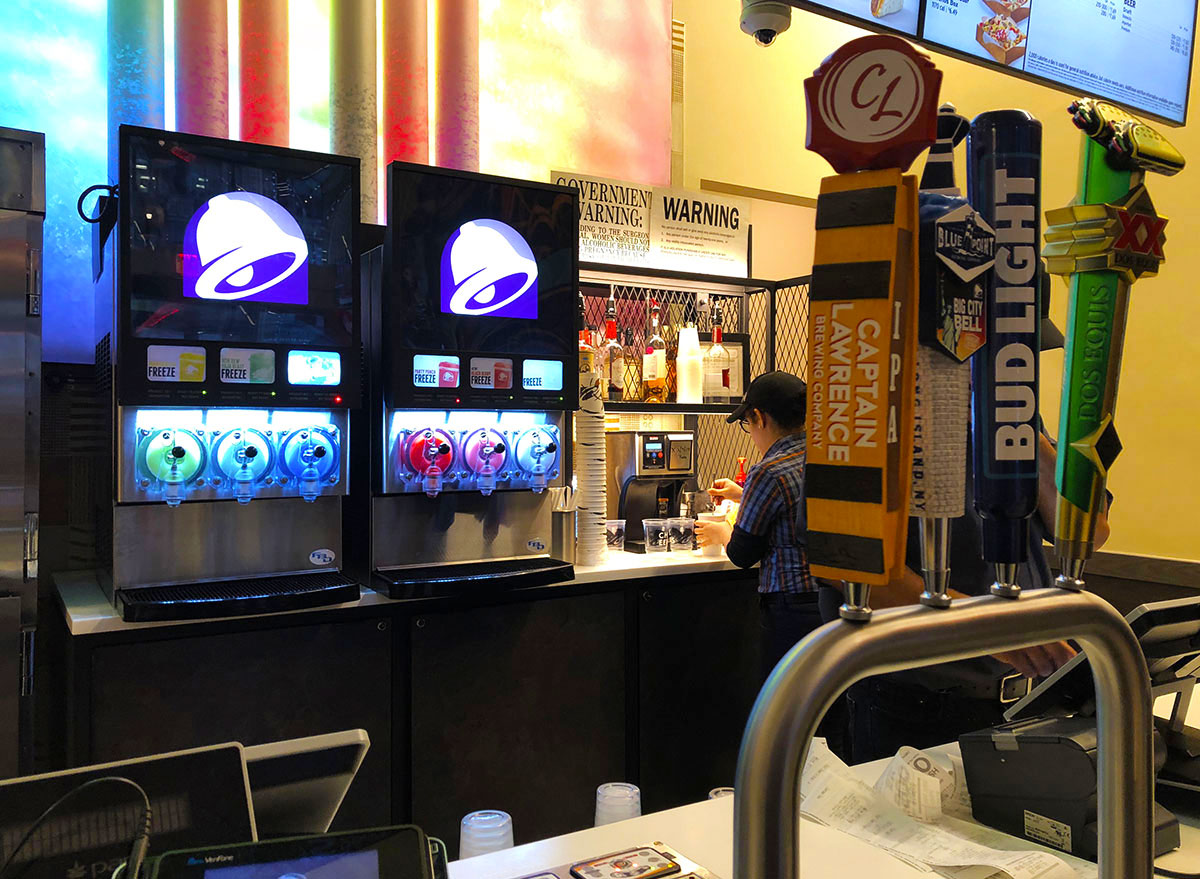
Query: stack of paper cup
(617, 801)
(591, 502)
(482, 832)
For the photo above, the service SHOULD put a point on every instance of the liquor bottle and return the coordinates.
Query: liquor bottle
(587, 350)
(654, 361)
(718, 363)
(633, 364)
(612, 357)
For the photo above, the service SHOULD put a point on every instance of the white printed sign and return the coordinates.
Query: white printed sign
(659, 227)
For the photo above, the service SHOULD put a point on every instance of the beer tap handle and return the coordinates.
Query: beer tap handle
(863, 301)
(1110, 236)
(1004, 185)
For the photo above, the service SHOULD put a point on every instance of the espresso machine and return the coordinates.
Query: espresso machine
(228, 334)
(648, 471)
(473, 338)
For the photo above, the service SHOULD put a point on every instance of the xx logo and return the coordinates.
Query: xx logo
(1141, 233)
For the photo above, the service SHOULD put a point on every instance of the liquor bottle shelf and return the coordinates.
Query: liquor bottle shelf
(686, 408)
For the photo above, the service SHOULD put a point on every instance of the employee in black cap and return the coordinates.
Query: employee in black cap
(771, 525)
(936, 704)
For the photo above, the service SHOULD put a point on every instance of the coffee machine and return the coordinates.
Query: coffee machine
(228, 323)
(473, 346)
(648, 471)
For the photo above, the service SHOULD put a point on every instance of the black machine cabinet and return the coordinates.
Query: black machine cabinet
(520, 707)
(699, 671)
(248, 685)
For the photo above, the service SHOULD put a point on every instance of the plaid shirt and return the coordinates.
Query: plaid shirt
(773, 509)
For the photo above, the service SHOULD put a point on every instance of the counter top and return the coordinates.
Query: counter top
(703, 832)
(88, 612)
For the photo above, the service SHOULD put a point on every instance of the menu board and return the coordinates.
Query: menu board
(1134, 52)
(898, 15)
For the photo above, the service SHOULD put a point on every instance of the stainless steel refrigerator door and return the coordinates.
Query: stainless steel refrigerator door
(20, 376)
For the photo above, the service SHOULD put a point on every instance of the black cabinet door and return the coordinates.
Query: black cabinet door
(699, 671)
(252, 687)
(519, 707)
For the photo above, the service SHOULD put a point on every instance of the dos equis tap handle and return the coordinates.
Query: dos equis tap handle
(872, 109)
(1108, 238)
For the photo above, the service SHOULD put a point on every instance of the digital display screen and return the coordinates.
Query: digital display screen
(1134, 52)
(492, 373)
(483, 269)
(435, 371)
(653, 447)
(348, 865)
(231, 243)
(542, 375)
(314, 368)
(900, 15)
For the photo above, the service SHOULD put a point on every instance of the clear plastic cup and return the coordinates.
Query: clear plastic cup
(487, 831)
(614, 533)
(617, 801)
(683, 534)
(717, 792)
(656, 534)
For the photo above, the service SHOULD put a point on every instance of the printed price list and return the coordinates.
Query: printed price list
(949, 7)
(1107, 9)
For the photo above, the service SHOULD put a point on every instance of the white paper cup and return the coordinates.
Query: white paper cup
(481, 832)
(711, 549)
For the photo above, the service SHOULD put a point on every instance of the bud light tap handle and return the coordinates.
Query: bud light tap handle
(1004, 155)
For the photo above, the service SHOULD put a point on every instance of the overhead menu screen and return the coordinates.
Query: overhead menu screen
(1134, 52)
(232, 243)
(898, 15)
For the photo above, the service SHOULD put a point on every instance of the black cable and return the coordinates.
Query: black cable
(112, 191)
(140, 843)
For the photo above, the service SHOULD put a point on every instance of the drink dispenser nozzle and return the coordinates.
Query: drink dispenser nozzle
(173, 494)
(539, 453)
(244, 477)
(433, 473)
(487, 473)
(311, 454)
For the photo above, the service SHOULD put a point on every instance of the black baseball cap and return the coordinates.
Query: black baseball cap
(779, 394)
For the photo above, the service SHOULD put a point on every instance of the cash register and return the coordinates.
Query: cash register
(1035, 776)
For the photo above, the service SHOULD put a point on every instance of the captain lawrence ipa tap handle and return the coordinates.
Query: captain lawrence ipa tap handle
(1108, 238)
(1004, 156)
(872, 109)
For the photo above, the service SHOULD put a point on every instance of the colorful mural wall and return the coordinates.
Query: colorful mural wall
(580, 84)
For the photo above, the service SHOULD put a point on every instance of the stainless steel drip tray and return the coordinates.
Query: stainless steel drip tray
(227, 598)
(435, 581)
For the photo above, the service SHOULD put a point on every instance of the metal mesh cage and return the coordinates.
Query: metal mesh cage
(680, 306)
(777, 322)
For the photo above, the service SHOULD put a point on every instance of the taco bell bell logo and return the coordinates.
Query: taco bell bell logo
(241, 246)
(489, 269)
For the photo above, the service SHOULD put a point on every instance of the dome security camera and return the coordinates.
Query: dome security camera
(765, 19)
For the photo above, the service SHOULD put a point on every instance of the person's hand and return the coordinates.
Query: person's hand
(710, 533)
(725, 488)
(1038, 662)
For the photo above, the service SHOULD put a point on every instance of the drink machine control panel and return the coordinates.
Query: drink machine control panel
(663, 454)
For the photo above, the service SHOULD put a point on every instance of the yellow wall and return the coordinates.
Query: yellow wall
(745, 125)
